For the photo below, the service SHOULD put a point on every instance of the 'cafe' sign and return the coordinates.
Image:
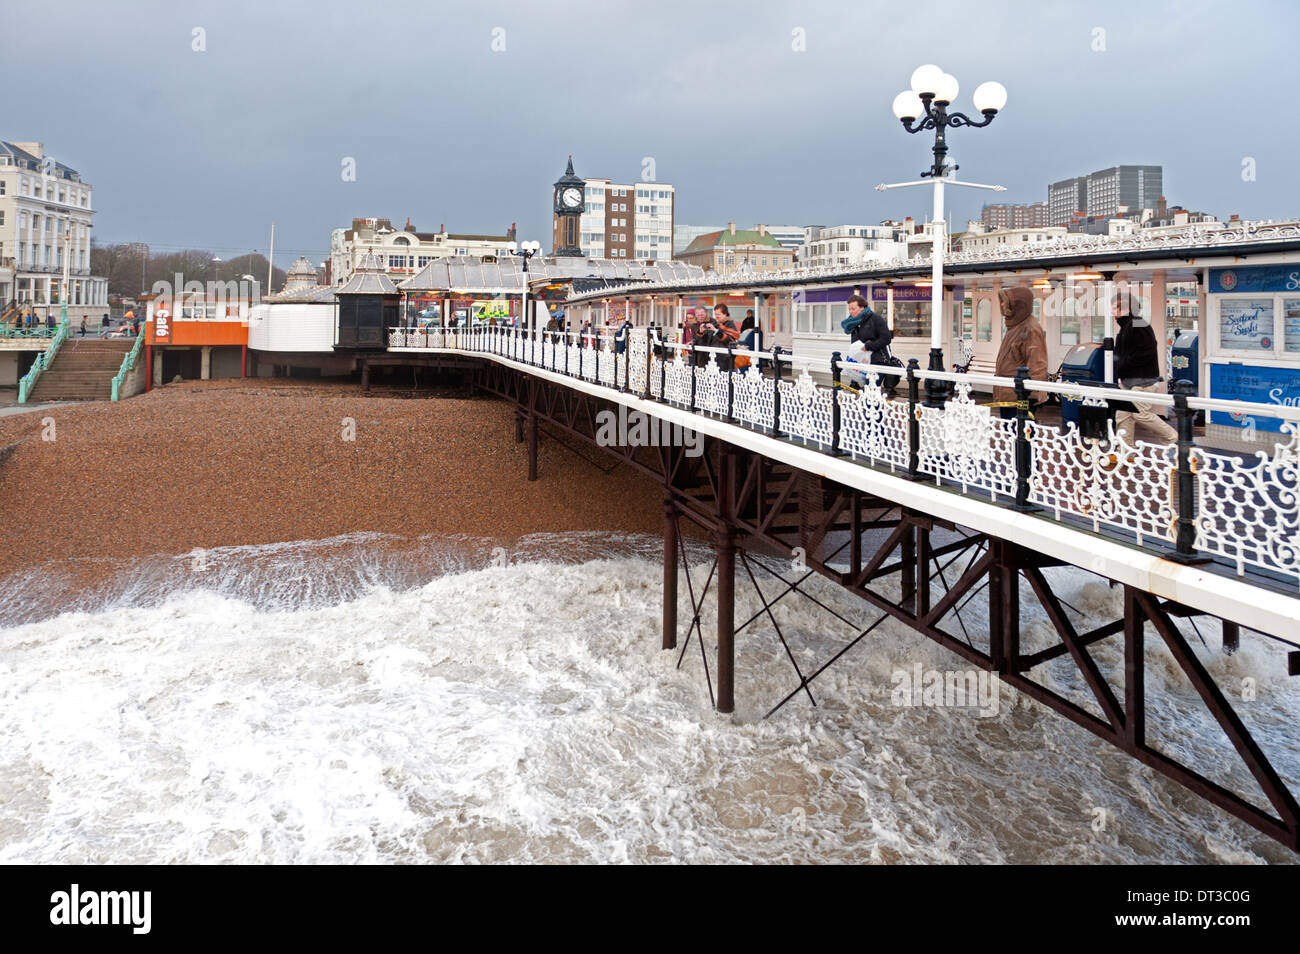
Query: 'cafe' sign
(161, 317)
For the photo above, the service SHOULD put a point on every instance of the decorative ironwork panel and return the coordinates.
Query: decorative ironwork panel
(806, 410)
(872, 426)
(964, 443)
(1109, 482)
(1249, 511)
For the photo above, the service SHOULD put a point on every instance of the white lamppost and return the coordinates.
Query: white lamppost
(524, 251)
(925, 106)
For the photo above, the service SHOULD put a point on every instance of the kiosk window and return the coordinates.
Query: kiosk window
(819, 319)
(1291, 321)
(984, 320)
(1246, 324)
(911, 319)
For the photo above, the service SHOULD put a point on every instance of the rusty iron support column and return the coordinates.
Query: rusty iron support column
(907, 566)
(1135, 717)
(922, 571)
(1004, 611)
(1231, 637)
(365, 376)
(726, 548)
(532, 430)
(670, 571)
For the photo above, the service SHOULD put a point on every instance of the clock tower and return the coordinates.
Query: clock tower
(568, 202)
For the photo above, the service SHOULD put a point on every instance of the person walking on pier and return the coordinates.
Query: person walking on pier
(1137, 367)
(1024, 344)
(871, 331)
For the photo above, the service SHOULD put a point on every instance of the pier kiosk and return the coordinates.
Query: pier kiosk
(1251, 348)
(367, 305)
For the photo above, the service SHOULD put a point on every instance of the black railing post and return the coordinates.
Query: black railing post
(776, 390)
(1023, 454)
(649, 357)
(663, 371)
(835, 405)
(627, 359)
(913, 422)
(731, 393)
(613, 346)
(565, 332)
(692, 371)
(1185, 518)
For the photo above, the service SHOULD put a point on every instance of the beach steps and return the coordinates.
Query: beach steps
(82, 370)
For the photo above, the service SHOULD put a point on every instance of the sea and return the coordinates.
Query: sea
(366, 699)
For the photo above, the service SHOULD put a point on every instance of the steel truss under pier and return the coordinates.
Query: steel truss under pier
(905, 564)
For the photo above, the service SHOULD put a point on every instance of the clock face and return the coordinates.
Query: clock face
(572, 198)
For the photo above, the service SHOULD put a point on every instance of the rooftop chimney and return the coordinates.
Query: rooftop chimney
(731, 227)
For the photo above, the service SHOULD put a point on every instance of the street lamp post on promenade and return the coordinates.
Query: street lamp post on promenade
(524, 251)
(925, 106)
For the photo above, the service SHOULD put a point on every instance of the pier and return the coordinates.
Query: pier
(919, 510)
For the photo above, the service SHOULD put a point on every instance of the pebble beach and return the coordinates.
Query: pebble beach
(208, 464)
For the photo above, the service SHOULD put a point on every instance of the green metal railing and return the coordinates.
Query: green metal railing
(43, 361)
(128, 362)
(35, 331)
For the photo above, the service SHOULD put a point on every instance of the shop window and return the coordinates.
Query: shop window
(819, 325)
(1291, 323)
(984, 320)
(801, 319)
(1246, 324)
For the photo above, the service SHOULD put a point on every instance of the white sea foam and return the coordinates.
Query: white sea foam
(524, 713)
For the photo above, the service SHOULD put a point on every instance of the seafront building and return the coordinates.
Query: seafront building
(1105, 193)
(404, 251)
(736, 251)
(847, 245)
(1004, 216)
(45, 214)
(626, 220)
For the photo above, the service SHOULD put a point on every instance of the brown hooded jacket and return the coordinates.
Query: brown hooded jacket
(1023, 343)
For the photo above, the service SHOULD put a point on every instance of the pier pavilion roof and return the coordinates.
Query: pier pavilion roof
(506, 274)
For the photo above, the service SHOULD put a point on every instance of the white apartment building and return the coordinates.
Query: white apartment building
(849, 245)
(404, 251)
(979, 237)
(45, 213)
(626, 220)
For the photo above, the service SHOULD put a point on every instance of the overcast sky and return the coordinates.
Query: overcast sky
(205, 149)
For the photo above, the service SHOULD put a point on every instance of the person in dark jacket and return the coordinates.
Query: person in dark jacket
(872, 331)
(1137, 367)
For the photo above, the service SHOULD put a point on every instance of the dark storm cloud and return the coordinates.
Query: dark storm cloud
(207, 148)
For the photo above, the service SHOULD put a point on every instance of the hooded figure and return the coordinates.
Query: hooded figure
(1023, 343)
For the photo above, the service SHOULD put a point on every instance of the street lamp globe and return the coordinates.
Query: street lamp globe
(907, 105)
(947, 89)
(990, 97)
(512, 248)
(926, 79)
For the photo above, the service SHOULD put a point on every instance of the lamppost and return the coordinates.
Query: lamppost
(925, 106)
(525, 251)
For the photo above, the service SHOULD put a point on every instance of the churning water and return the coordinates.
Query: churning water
(357, 700)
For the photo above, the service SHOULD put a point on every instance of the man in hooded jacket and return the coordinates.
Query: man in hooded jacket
(1137, 367)
(1024, 344)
